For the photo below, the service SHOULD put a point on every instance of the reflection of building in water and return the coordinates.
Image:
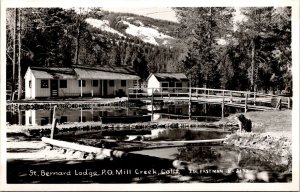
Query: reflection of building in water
(177, 109)
(44, 117)
(181, 110)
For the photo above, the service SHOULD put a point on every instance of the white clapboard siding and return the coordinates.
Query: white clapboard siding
(153, 83)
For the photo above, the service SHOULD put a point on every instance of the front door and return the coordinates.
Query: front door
(104, 88)
(54, 88)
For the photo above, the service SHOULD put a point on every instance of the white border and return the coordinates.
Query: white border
(294, 186)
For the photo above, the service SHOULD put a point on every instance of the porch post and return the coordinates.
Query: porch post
(81, 87)
(92, 87)
(102, 88)
(81, 115)
(92, 113)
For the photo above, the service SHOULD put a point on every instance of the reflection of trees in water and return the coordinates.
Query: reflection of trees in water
(185, 134)
(198, 154)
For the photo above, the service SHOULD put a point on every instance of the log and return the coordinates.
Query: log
(54, 122)
(183, 142)
(84, 148)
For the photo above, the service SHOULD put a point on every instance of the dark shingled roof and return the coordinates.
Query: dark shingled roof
(53, 72)
(171, 77)
(84, 72)
(97, 74)
(114, 69)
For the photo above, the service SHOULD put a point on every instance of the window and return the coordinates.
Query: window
(179, 86)
(178, 111)
(172, 109)
(95, 83)
(83, 83)
(172, 84)
(165, 86)
(123, 83)
(29, 83)
(63, 83)
(95, 118)
(44, 121)
(44, 83)
(111, 83)
(63, 119)
(104, 113)
(135, 83)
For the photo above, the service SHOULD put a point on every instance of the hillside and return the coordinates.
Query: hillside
(153, 31)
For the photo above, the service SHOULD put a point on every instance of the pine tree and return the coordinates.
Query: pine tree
(201, 28)
(265, 35)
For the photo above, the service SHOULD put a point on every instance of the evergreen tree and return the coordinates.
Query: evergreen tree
(201, 28)
(266, 38)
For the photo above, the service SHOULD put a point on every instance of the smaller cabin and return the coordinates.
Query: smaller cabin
(167, 82)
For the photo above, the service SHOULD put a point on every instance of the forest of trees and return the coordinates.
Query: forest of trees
(256, 54)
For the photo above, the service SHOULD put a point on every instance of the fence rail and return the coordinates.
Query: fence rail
(240, 99)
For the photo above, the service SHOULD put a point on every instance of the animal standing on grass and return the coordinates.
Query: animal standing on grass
(244, 123)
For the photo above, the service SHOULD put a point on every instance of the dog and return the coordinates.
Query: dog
(244, 123)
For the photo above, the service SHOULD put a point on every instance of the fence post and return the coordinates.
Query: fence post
(223, 100)
(190, 103)
(254, 98)
(136, 93)
(128, 92)
(278, 105)
(246, 101)
(289, 102)
(152, 104)
(54, 122)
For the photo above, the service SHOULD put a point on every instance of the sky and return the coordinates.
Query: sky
(165, 13)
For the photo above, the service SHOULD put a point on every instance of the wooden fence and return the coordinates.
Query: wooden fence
(239, 99)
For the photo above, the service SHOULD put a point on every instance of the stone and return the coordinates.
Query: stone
(78, 154)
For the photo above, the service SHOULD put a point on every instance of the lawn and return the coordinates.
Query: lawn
(271, 121)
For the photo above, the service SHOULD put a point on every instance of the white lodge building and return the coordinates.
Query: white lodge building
(169, 82)
(78, 81)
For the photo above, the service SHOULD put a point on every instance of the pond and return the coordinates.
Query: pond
(202, 156)
(179, 110)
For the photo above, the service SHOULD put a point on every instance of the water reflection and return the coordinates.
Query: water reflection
(178, 110)
(44, 117)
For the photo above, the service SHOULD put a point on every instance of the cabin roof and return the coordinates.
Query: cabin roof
(83, 72)
(53, 73)
(114, 69)
(170, 76)
(98, 74)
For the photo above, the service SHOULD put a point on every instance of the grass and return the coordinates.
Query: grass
(272, 121)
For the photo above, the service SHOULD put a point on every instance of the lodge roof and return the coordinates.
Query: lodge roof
(53, 73)
(84, 72)
(115, 69)
(170, 76)
(98, 74)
